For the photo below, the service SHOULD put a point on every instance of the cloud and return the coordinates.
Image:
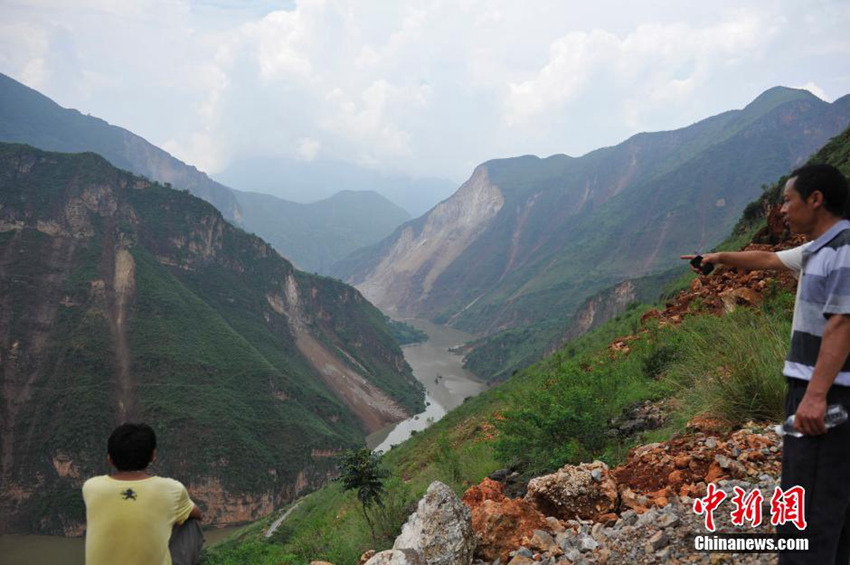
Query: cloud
(23, 53)
(662, 62)
(426, 87)
(814, 89)
(308, 148)
(282, 39)
(371, 121)
(572, 59)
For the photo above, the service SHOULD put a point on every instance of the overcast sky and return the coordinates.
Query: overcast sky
(426, 88)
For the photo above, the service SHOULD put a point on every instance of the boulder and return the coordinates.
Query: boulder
(397, 557)
(543, 542)
(633, 501)
(500, 526)
(487, 490)
(583, 491)
(366, 557)
(440, 529)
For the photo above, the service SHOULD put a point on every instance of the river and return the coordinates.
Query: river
(446, 382)
(56, 550)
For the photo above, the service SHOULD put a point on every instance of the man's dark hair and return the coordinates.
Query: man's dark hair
(131, 446)
(829, 181)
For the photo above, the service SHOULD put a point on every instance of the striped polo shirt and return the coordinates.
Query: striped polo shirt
(824, 290)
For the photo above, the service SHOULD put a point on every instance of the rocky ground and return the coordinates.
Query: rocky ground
(639, 513)
(642, 512)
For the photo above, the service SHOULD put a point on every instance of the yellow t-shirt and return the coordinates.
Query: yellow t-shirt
(129, 522)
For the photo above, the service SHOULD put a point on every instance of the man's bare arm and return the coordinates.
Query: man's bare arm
(196, 513)
(834, 349)
(750, 260)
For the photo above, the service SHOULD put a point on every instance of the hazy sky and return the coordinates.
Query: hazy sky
(427, 88)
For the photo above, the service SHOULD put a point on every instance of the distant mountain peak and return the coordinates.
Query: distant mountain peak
(778, 95)
(27, 116)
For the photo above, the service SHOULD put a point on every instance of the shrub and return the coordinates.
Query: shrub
(731, 366)
(556, 424)
(362, 472)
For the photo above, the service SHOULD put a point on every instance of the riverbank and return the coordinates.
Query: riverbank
(56, 550)
(447, 383)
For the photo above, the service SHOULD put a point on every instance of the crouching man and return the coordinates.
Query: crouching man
(130, 515)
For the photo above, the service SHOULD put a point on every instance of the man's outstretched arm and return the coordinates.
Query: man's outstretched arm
(750, 260)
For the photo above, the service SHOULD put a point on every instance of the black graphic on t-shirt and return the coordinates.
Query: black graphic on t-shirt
(129, 494)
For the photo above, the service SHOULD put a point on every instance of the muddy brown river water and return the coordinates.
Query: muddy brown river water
(55, 550)
(446, 382)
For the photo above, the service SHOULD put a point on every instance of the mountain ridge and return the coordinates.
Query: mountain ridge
(639, 203)
(125, 299)
(308, 181)
(53, 128)
(316, 235)
(27, 116)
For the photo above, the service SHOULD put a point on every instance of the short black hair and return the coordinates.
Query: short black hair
(829, 181)
(131, 446)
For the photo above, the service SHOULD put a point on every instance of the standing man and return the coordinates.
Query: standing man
(817, 366)
(130, 514)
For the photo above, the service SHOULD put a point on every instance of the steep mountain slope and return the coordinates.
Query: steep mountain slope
(618, 394)
(315, 236)
(122, 299)
(497, 357)
(527, 240)
(27, 116)
(310, 181)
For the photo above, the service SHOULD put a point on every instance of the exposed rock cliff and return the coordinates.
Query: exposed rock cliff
(121, 299)
(421, 252)
(550, 233)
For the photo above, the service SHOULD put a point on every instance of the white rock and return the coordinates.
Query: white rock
(397, 557)
(440, 529)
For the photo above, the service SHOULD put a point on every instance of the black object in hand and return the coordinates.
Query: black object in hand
(696, 263)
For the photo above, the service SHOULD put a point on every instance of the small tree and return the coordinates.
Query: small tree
(362, 472)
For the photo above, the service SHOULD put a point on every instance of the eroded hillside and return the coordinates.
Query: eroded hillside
(126, 300)
(526, 241)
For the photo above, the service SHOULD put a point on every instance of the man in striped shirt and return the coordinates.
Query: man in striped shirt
(817, 366)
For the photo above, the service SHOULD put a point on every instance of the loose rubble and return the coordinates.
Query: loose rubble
(584, 491)
(641, 512)
(499, 522)
(652, 519)
(643, 416)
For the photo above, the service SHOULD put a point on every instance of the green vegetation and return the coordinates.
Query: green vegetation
(552, 413)
(405, 334)
(27, 116)
(578, 227)
(557, 411)
(362, 472)
(208, 336)
(497, 357)
(732, 367)
(315, 236)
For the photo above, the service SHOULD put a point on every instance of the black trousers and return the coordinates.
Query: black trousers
(820, 464)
